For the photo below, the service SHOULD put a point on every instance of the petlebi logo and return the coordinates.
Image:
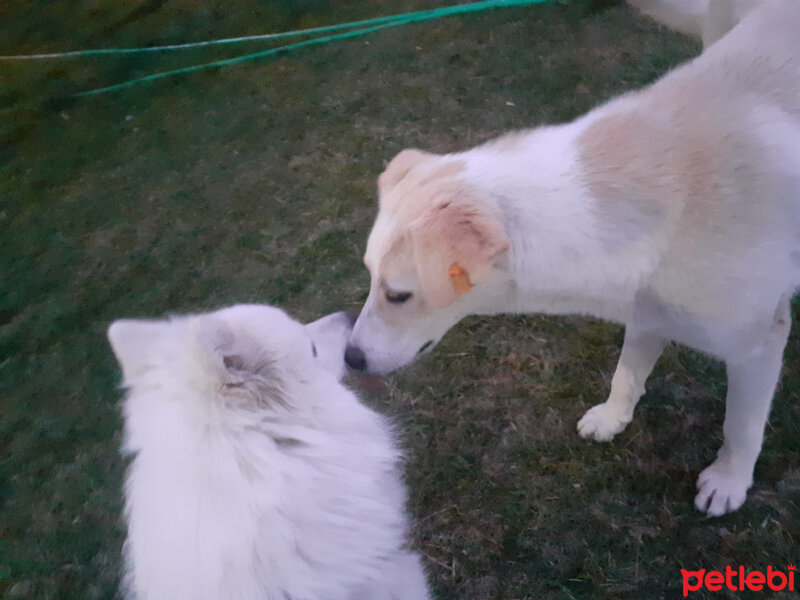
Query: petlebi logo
(738, 580)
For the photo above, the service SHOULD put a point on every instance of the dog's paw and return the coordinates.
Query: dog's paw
(602, 422)
(720, 491)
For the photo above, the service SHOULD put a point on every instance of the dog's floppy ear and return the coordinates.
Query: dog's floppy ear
(399, 167)
(455, 244)
(135, 342)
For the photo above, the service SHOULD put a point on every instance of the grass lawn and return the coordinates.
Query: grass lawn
(256, 183)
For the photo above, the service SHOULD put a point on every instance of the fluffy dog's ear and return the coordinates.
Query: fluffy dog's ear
(329, 336)
(232, 359)
(218, 350)
(135, 343)
(455, 244)
(399, 167)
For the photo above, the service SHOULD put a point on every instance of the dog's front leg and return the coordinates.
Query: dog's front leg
(640, 351)
(751, 384)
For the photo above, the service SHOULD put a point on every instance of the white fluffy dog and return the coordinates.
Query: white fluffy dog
(255, 474)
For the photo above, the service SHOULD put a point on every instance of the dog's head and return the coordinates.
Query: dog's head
(245, 355)
(431, 257)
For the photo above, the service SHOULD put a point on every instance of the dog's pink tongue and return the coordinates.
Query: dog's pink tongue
(372, 383)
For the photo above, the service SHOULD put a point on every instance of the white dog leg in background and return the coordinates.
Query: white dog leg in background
(707, 20)
(640, 351)
(751, 384)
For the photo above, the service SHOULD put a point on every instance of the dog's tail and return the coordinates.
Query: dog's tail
(707, 20)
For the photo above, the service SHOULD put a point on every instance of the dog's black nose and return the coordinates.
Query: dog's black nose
(355, 358)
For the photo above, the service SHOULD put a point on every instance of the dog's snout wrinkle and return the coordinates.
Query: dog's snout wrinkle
(355, 359)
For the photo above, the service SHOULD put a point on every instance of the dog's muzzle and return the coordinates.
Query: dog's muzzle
(355, 358)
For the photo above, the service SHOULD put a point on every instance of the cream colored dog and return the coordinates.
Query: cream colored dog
(675, 210)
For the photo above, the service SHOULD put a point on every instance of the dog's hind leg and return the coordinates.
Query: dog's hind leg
(640, 351)
(751, 384)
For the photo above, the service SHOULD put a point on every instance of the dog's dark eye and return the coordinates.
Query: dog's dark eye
(397, 297)
(313, 349)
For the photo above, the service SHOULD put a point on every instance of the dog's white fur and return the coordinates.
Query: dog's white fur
(708, 20)
(255, 474)
(674, 209)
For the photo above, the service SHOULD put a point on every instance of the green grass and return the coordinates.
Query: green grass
(257, 183)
